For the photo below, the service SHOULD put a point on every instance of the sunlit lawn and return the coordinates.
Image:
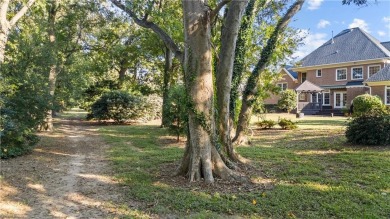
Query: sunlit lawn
(315, 174)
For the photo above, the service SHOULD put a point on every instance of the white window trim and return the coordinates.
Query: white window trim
(346, 74)
(302, 77)
(334, 100)
(317, 73)
(323, 99)
(368, 69)
(362, 73)
(385, 100)
(281, 83)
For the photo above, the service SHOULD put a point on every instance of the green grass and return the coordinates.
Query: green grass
(74, 113)
(315, 175)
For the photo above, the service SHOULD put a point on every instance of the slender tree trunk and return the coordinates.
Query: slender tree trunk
(52, 9)
(224, 73)
(166, 85)
(122, 74)
(251, 87)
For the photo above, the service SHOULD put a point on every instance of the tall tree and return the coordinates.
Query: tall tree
(249, 95)
(6, 25)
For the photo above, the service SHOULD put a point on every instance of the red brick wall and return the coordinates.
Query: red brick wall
(273, 99)
(329, 75)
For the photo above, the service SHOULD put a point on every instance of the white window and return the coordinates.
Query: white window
(319, 73)
(283, 86)
(357, 73)
(303, 79)
(387, 95)
(341, 74)
(373, 69)
(326, 99)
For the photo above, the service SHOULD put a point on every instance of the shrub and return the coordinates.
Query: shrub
(120, 106)
(287, 124)
(288, 100)
(366, 103)
(369, 129)
(176, 110)
(266, 124)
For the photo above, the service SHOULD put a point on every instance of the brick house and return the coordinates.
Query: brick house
(351, 63)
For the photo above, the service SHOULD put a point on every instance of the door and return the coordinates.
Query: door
(340, 99)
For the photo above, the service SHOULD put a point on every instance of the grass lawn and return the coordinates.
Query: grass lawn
(313, 174)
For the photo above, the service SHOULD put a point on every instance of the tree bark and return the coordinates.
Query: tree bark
(121, 76)
(3, 42)
(166, 85)
(251, 87)
(224, 73)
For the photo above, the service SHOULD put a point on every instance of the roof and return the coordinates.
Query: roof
(381, 75)
(307, 86)
(354, 83)
(292, 73)
(349, 45)
(386, 45)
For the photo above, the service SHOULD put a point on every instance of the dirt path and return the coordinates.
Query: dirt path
(66, 176)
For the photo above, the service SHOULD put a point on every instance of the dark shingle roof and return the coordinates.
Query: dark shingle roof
(292, 73)
(386, 45)
(354, 83)
(349, 45)
(382, 75)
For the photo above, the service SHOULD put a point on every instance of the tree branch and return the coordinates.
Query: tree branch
(21, 13)
(155, 28)
(218, 8)
(3, 15)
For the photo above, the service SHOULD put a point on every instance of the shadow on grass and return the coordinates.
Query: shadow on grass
(315, 177)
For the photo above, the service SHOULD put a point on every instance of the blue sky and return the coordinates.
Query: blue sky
(318, 18)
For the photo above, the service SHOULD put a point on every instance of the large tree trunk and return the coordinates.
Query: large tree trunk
(52, 10)
(201, 160)
(251, 87)
(224, 73)
(167, 79)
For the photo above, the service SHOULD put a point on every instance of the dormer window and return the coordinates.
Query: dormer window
(357, 73)
(319, 73)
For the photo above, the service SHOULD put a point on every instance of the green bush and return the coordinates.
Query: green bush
(288, 100)
(369, 129)
(366, 103)
(287, 124)
(176, 110)
(266, 124)
(121, 106)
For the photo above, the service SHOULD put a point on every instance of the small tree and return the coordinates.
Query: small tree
(176, 110)
(287, 100)
(367, 103)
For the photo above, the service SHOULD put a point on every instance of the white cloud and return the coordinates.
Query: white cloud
(381, 33)
(314, 4)
(387, 21)
(360, 23)
(322, 24)
(311, 42)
